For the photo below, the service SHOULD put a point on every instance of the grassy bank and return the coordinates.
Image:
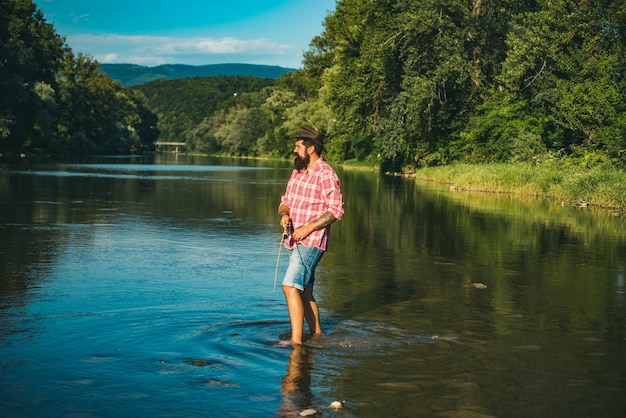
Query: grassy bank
(563, 183)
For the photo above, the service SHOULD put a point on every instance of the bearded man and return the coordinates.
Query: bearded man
(312, 201)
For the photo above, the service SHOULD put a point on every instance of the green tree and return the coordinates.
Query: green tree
(567, 60)
(406, 75)
(30, 54)
(99, 115)
(276, 106)
(503, 129)
(305, 83)
(242, 130)
(202, 137)
(183, 104)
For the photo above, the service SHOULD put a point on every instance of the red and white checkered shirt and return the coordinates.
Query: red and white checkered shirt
(309, 195)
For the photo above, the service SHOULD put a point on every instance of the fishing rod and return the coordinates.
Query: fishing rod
(283, 237)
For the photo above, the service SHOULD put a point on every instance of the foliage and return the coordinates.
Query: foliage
(567, 60)
(53, 102)
(98, 115)
(182, 104)
(502, 129)
(259, 123)
(30, 53)
(430, 82)
(400, 84)
(405, 73)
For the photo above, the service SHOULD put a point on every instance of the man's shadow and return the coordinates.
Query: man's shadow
(296, 385)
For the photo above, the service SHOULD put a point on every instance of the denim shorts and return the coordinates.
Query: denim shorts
(301, 270)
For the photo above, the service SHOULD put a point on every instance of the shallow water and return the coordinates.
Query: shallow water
(132, 287)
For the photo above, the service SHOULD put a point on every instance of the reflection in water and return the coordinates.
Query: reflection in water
(295, 391)
(108, 274)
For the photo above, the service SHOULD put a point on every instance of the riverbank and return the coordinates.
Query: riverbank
(565, 184)
(561, 181)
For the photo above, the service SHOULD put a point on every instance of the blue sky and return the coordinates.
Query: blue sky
(195, 32)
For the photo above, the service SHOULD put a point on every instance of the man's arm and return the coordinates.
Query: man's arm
(326, 219)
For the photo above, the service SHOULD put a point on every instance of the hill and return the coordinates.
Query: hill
(183, 103)
(132, 75)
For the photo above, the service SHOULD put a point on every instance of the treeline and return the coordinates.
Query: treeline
(400, 84)
(53, 102)
(408, 84)
(182, 104)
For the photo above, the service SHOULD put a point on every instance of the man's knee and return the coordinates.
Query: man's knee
(290, 290)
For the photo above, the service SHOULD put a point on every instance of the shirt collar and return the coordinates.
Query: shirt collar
(317, 166)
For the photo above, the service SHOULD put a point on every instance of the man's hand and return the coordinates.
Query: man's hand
(303, 232)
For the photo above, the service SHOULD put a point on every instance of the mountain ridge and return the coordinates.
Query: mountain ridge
(134, 74)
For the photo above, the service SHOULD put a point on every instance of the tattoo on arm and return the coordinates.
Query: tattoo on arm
(326, 219)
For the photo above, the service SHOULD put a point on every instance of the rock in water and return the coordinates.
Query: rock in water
(308, 412)
(336, 405)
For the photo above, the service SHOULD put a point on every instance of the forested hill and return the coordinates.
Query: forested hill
(132, 75)
(182, 104)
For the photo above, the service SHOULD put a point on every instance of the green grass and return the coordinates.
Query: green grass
(567, 183)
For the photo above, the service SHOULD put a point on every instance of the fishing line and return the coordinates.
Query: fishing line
(283, 237)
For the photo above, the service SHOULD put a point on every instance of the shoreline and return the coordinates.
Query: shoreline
(562, 181)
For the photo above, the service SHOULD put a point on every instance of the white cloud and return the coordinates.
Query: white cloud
(156, 50)
(106, 58)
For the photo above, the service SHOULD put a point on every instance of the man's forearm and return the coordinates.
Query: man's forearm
(326, 219)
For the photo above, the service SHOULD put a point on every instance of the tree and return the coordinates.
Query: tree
(406, 75)
(243, 129)
(99, 115)
(30, 54)
(183, 104)
(567, 60)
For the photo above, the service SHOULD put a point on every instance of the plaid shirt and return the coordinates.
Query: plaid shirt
(309, 195)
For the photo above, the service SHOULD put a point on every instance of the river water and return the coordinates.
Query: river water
(144, 287)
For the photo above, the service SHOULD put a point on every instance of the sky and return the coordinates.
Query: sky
(194, 32)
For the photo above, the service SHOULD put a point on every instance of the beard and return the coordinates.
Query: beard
(300, 163)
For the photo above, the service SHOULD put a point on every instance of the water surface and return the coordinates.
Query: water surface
(141, 287)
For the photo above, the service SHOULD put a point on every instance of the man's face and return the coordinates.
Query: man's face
(302, 156)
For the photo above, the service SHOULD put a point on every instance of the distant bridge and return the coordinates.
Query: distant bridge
(175, 144)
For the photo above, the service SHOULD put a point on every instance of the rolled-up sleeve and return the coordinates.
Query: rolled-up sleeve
(334, 198)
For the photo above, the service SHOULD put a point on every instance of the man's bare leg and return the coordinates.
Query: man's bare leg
(296, 312)
(311, 311)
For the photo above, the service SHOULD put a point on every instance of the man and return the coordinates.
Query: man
(312, 202)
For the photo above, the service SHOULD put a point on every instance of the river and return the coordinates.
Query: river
(144, 287)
